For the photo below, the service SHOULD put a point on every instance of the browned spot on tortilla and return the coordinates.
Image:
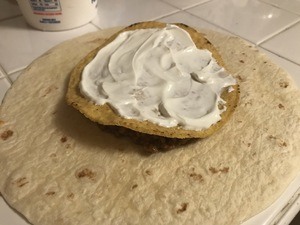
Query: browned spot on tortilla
(148, 172)
(68, 146)
(50, 193)
(21, 182)
(248, 103)
(196, 177)
(282, 143)
(86, 173)
(134, 186)
(254, 154)
(283, 84)
(6, 134)
(223, 170)
(213, 170)
(70, 196)
(278, 141)
(182, 208)
(63, 139)
(280, 106)
(1, 122)
(49, 90)
(271, 137)
(242, 61)
(52, 155)
(254, 69)
(239, 78)
(243, 53)
(247, 144)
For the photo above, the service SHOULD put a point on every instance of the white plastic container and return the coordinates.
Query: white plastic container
(55, 15)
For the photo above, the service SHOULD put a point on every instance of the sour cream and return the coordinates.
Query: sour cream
(158, 75)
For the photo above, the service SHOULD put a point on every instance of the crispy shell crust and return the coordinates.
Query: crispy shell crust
(103, 114)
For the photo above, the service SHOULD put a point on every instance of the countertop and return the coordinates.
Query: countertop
(272, 25)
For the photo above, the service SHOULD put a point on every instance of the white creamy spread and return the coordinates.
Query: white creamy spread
(158, 75)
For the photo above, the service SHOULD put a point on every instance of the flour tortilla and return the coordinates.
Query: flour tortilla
(57, 167)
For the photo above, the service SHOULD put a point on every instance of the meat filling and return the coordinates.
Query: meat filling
(150, 143)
